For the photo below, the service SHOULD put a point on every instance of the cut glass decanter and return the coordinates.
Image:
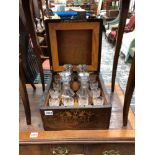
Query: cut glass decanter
(83, 92)
(67, 93)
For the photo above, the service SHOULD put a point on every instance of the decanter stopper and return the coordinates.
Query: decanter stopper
(82, 68)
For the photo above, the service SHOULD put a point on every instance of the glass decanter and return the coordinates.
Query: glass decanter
(66, 90)
(57, 83)
(67, 93)
(83, 92)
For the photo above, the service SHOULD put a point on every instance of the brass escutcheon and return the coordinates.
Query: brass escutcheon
(111, 152)
(60, 150)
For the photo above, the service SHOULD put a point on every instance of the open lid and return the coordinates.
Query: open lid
(74, 42)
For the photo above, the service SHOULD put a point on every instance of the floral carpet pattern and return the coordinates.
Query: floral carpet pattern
(123, 68)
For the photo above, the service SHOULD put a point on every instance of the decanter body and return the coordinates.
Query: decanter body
(67, 93)
(83, 92)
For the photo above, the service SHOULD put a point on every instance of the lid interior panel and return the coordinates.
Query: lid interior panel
(74, 43)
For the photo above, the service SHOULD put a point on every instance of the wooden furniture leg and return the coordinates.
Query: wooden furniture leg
(31, 82)
(27, 5)
(123, 15)
(24, 95)
(41, 8)
(129, 92)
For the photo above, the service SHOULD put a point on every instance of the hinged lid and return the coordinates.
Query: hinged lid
(74, 42)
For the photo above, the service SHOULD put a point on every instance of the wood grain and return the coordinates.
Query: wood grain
(75, 52)
(78, 136)
(123, 15)
(78, 149)
(23, 93)
(131, 116)
(129, 92)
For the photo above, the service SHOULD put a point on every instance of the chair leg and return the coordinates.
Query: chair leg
(30, 80)
(23, 93)
(129, 92)
(128, 97)
(25, 101)
(41, 75)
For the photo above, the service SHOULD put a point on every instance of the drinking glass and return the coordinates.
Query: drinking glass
(54, 99)
(98, 101)
(83, 101)
(94, 85)
(92, 78)
(95, 92)
(68, 101)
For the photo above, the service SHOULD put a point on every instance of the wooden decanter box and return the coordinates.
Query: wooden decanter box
(75, 42)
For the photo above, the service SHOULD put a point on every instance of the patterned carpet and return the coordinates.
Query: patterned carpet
(123, 69)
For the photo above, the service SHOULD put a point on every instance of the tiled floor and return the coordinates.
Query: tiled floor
(122, 70)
